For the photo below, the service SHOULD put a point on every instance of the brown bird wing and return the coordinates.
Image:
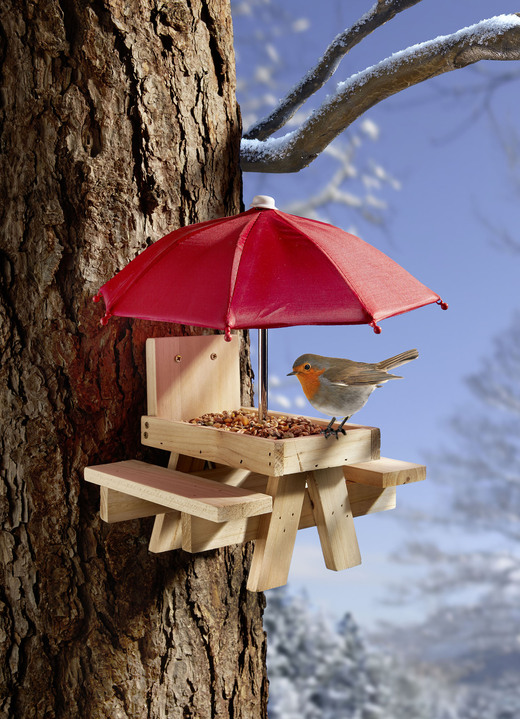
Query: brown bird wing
(358, 373)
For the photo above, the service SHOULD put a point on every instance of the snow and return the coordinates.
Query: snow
(273, 146)
(478, 33)
(321, 670)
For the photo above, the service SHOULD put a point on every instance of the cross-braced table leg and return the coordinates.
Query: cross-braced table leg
(277, 533)
(167, 528)
(333, 516)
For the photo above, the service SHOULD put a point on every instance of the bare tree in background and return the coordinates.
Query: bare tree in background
(118, 123)
(475, 585)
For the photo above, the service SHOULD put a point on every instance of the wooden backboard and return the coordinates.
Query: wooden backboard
(188, 376)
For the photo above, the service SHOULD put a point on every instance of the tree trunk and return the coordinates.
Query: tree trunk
(118, 124)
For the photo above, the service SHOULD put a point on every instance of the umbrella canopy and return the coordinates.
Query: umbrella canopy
(263, 268)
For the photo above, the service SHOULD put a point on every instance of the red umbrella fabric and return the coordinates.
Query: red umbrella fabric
(260, 269)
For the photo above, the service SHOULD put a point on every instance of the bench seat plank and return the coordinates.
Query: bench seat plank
(384, 472)
(188, 493)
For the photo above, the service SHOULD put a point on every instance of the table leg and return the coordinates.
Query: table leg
(277, 533)
(167, 529)
(333, 515)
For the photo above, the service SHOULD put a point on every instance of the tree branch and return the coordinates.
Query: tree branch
(494, 39)
(378, 15)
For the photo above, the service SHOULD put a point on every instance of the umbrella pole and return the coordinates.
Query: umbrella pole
(262, 374)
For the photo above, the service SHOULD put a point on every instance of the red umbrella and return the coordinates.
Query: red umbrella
(263, 268)
(259, 269)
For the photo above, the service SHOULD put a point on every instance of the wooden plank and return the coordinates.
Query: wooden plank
(334, 519)
(369, 500)
(254, 453)
(200, 535)
(277, 533)
(317, 452)
(266, 456)
(167, 528)
(385, 472)
(119, 507)
(177, 490)
(187, 376)
(204, 534)
(166, 533)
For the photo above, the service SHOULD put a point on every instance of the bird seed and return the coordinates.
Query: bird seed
(247, 422)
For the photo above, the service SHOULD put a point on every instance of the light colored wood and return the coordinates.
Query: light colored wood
(369, 500)
(118, 507)
(364, 499)
(166, 533)
(267, 456)
(188, 376)
(185, 377)
(177, 490)
(200, 535)
(333, 515)
(167, 528)
(385, 472)
(277, 533)
(203, 534)
(205, 379)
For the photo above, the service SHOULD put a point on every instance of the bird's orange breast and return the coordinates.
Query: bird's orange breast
(310, 381)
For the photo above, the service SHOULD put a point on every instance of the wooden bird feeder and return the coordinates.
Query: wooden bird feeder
(256, 489)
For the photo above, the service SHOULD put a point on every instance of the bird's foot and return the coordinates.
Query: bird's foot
(329, 430)
(336, 432)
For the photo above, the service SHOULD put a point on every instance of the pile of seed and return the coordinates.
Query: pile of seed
(247, 422)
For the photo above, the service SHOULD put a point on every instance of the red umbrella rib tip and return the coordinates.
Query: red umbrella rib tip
(443, 305)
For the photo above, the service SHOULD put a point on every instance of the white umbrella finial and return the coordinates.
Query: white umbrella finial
(263, 201)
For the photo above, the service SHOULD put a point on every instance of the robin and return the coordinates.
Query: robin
(341, 387)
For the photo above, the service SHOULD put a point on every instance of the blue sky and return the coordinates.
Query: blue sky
(454, 184)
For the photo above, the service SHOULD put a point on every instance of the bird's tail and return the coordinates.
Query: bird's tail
(398, 360)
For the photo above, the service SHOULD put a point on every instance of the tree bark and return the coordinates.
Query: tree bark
(118, 124)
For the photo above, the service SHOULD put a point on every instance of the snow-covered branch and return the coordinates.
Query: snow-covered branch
(494, 39)
(378, 15)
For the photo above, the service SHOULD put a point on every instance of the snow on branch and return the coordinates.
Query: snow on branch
(495, 39)
(378, 15)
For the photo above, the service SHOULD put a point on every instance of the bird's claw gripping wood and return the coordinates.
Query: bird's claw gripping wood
(328, 432)
(328, 429)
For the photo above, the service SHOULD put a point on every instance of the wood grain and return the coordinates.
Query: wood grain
(385, 472)
(199, 496)
(334, 518)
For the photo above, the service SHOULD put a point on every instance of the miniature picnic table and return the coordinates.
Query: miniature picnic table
(256, 488)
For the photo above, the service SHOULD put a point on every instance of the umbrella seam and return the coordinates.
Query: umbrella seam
(127, 284)
(236, 263)
(345, 276)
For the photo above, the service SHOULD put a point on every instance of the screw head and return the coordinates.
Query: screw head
(178, 358)
(213, 356)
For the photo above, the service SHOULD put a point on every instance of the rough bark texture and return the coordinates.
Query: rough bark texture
(118, 124)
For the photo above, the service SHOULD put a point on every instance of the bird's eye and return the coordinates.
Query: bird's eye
(306, 366)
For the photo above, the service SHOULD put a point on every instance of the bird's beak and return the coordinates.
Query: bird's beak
(290, 373)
